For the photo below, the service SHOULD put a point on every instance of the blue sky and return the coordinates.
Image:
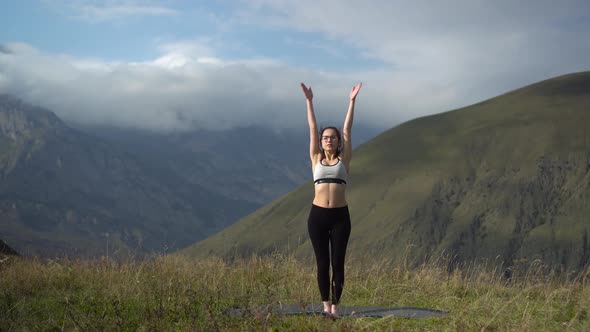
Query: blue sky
(135, 31)
(154, 64)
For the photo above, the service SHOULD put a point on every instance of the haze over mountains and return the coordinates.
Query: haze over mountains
(92, 191)
(254, 164)
(507, 179)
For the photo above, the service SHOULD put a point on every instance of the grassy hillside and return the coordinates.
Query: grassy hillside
(507, 177)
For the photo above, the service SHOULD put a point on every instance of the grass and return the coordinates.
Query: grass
(175, 293)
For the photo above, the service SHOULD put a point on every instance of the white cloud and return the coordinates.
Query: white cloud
(185, 92)
(460, 46)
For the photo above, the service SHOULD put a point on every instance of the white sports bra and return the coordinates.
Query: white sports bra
(330, 173)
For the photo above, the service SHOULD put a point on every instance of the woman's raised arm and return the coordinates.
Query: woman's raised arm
(347, 130)
(314, 147)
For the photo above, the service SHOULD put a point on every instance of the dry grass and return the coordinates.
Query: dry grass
(178, 293)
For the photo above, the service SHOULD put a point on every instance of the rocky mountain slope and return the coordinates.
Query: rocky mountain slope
(65, 192)
(6, 250)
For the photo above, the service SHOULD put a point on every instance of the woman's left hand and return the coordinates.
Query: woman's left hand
(355, 90)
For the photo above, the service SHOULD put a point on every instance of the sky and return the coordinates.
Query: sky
(180, 65)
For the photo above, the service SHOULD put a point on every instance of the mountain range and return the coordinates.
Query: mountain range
(67, 189)
(506, 179)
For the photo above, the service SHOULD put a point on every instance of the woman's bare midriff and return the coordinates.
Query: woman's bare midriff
(330, 195)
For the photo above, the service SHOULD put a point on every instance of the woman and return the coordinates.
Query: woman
(329, 220)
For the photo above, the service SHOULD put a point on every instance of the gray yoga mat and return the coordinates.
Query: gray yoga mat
(343, 311)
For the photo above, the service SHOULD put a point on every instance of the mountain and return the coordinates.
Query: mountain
(253, 164)
(507, 178)
(78, 190)
(66, 192)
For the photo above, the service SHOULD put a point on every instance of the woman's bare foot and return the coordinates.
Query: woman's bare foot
(327, 306)
(334, 309)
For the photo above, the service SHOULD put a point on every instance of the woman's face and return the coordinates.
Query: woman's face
(330, 140)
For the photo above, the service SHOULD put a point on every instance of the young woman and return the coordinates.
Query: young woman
(329, 220)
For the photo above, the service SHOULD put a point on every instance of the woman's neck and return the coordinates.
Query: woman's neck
(330, 156)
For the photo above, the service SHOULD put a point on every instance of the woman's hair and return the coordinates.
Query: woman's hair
(339, 149)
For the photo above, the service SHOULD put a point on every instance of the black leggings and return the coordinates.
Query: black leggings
(329, 230)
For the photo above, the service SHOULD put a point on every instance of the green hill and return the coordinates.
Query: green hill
(507, 178)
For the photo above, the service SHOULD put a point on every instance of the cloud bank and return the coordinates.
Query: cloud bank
(180, 90)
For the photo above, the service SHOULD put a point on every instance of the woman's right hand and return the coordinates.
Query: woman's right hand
(307, 91)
